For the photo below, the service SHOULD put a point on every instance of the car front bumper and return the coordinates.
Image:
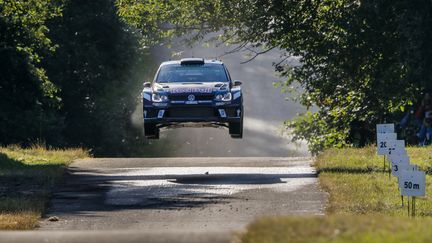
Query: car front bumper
(184, 113)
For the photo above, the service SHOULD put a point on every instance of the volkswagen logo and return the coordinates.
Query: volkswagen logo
(191, 97)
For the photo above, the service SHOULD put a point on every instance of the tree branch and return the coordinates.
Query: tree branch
(256, 54)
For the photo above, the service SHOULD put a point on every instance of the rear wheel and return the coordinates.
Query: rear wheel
(236, 129)
(151, 131)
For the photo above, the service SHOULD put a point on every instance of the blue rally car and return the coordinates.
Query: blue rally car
(192, 92)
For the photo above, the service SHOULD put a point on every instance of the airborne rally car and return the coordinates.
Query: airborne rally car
(192, 92)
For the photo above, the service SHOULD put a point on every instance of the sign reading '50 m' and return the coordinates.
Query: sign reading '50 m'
(412, 183)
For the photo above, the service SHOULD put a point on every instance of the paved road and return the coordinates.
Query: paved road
(179, 198)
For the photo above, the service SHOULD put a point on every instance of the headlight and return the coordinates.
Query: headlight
(159, 98)
(224, 97)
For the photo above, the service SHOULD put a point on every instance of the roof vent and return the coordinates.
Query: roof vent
(192, 61)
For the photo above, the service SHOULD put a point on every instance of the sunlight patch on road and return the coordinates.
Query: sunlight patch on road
(177, 184)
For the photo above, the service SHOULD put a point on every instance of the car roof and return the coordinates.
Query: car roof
(206, 61)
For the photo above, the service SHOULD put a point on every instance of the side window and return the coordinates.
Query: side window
(228, 74)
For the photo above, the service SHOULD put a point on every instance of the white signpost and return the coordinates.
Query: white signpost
(385, 135)
(412, 183)
(396, 147)
(399, 162)
(385, 128)
(383, 140)
(399, 158)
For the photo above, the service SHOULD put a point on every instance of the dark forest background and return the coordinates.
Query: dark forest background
(70, 75)
(71, 70)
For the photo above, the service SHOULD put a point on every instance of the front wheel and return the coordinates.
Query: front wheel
(236, 129)
(151, 131)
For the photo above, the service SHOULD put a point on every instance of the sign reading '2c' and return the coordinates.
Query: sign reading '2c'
(412, 183)
(383, 142)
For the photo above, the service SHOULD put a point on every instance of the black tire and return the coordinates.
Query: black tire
(151, 131)
(236, 129)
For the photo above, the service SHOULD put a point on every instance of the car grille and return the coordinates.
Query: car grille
(184, 97)
(192, 112)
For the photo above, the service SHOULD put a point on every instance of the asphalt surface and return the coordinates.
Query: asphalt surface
(158, 200)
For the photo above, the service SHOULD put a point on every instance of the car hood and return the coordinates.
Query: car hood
(183, 88)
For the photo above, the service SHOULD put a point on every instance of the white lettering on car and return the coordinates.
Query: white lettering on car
(191, 90)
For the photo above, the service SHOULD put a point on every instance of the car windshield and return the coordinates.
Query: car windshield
(177, 73)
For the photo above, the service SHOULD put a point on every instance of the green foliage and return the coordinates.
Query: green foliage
(360, 60)
(320, 133)
(68, 66)
(29, 98)
(99, 67)
(70, 76)
(26, 33)
(161, 20)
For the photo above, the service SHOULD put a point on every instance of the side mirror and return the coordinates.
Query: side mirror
(237, 83)
(147, 85)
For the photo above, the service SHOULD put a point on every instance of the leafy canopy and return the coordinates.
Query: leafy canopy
(361, 60)
(24, 30)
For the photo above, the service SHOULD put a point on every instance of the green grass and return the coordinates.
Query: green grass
(364, 203)
(366, 159)
(338, 228)
(357, 184)
(27, 177)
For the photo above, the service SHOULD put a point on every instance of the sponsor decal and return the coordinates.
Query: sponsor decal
(160, 104)
(191, 90)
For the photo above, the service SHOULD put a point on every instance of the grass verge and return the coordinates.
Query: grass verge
(364, 204)
(338, 228)
(27, 177)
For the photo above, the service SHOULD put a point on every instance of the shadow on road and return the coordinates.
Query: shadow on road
(238, 179)
(86, 191)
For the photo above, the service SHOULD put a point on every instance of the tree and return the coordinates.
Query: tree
(98, 67)
(29, 99)
(361, 61)
(70, 74)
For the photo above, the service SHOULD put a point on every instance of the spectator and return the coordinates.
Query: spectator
(424, 114)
